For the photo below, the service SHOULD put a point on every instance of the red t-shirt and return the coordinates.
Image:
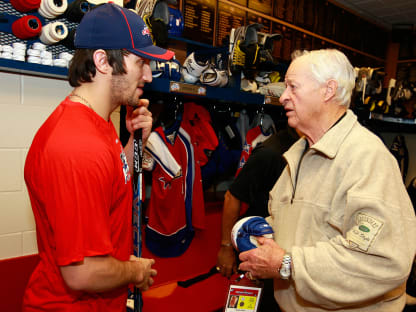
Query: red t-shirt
(79, 185)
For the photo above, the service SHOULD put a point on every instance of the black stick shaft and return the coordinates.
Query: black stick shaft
(137, 206)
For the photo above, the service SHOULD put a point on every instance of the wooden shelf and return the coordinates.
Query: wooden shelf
(407, 61)
(297, 28)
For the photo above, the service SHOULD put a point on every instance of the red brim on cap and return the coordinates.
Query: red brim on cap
(153, 53)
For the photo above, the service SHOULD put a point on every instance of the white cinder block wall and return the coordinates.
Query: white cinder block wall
(25, 103)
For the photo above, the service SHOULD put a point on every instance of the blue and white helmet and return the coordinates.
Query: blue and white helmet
(244, 232)
(170, 69)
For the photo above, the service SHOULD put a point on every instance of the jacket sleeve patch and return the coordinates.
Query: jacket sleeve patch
(362, 235)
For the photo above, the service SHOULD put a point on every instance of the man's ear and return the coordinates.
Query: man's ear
(331, 89)
(101, 61)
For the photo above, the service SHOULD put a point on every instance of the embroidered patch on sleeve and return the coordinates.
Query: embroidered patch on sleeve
(362, 235)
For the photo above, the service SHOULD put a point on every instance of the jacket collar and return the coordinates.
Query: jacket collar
(328, 145)
(331, 141)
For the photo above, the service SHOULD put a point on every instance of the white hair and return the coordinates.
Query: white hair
(329, 64)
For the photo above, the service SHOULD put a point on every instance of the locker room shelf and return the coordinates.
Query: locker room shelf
(9, 15)
(404, 121)
(230, 94)
(391, 124)
(33, 69)
(157, 85)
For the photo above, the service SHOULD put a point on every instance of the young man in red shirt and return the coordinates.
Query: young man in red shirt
(78, 174)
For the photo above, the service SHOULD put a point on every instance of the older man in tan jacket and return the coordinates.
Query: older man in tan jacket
(344, 225)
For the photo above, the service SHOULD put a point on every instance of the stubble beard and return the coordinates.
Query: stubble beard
(120, 92)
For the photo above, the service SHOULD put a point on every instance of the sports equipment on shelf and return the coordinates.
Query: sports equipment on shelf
(275, 89)
(193, 67)
(244, 47)
(214, 77)
(248, 85)
(266, 45)
(155, 13)
(187, 77)
(170, 69)
(266, 40)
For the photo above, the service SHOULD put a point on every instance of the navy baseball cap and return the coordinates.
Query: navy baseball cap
(111, 27)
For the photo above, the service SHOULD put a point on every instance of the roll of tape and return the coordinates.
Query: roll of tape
(53, 33)
(27, 27)
(59, 31)
(33, 3)
(6, 55)
(68, 42)
(46, 62)
(34, 59)
(46, 55)
(58, 6)
(32, 52)
(77, 9)
(20, 5)
(19, 52)
(44, 10)
(45, 37)
(51, 8)
(20, 58)
(25, 5)
(39, 46)
(8, 49)
(19, 45)
(66, 56)
(60, 63)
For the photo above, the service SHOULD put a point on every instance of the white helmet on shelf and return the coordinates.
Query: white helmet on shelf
(193, 66)
(214, 77)
(187, 77)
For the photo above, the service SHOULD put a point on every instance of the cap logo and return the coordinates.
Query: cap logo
(145, 31)
(113, 27)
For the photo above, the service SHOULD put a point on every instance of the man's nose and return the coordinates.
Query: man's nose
(147, 73)
(283, 97)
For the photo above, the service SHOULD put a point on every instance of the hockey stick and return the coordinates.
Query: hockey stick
(191, 281)
(165, 290)
(137, 206)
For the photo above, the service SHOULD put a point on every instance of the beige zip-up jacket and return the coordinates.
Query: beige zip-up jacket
(343, 213)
